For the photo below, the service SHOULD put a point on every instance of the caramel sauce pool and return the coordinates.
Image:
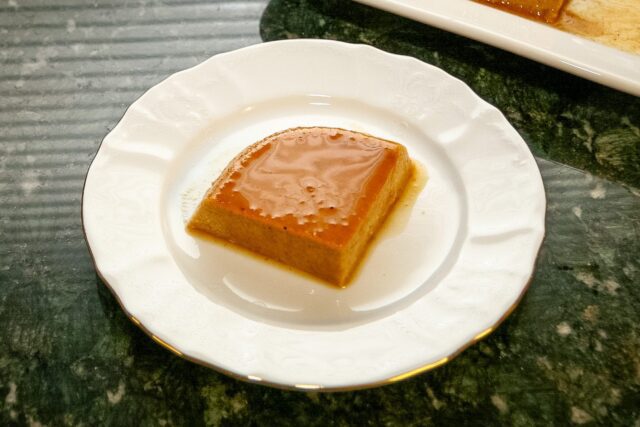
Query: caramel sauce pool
(394, 224)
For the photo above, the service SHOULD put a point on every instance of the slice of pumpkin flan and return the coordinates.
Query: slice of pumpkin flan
(311, 198)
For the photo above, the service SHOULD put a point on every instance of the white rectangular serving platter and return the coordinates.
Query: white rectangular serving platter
(539, 42)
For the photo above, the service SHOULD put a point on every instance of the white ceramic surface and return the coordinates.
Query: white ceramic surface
(542, 43)
(442, 276)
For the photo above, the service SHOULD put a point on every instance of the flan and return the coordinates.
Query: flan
(310, 197)
(542, 10)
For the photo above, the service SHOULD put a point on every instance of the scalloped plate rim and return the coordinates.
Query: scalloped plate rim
(274, 382)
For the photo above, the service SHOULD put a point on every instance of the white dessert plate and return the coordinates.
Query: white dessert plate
(450, 268)
(576, 55)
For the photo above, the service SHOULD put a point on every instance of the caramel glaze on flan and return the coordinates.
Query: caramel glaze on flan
(311, 198)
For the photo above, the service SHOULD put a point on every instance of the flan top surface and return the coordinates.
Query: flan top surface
(313, 181)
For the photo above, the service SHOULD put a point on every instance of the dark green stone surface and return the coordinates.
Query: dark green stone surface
(569, 354)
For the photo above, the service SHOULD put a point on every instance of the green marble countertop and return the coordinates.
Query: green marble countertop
(569, 354)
